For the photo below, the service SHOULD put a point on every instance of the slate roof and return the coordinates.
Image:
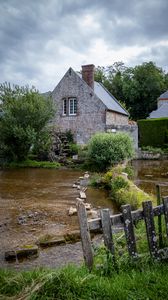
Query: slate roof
(104, 95)
(108, 99)
(161, 112)
(164, 95)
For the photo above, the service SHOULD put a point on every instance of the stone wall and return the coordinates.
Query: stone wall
(130, 129)
(90, 117)
(116, 118)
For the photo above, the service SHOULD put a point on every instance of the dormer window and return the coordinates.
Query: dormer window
(69, 106)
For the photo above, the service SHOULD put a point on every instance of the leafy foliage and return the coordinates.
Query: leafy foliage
(23, 122)
(137, 87)
(119, 183)
(106, 149)
(153, 132)
(121, 189)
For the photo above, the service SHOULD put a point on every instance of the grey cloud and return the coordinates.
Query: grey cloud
(33, 31)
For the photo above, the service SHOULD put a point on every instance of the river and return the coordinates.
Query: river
(35, 203)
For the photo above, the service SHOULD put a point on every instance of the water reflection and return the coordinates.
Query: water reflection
(148, 173)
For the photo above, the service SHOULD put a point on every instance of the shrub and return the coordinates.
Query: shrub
(119, 183)
(106, 149)
(73, 149)
(130, 196)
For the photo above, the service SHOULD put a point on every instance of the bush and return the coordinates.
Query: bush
(106, 149)
(119, 183)
(73, 149)
(153, 132)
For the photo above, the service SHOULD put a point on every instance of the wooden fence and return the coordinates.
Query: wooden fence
(127, 218)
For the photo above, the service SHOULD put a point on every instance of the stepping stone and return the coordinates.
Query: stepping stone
(82, 195)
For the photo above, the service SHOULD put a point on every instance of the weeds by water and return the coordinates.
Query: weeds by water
(121, 189)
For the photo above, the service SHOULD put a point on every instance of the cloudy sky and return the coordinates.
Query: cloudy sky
(41, 39)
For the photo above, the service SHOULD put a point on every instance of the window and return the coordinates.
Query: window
(72, 106)
(69, 107)
(64, 107)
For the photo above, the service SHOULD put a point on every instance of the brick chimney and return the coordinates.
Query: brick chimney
(88, 75)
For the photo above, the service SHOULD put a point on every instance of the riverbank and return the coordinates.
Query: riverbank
(31, 164)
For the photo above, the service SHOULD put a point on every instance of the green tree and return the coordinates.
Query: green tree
(137, 87)
(25, 114)
(142, 85)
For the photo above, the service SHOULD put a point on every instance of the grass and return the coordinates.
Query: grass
(121, 189)
(143, 281)
(127, 279)
(33, 164)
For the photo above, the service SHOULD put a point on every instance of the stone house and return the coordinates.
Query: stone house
(162, 107)
(85, 107)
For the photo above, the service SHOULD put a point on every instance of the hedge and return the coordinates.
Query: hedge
(153, 132)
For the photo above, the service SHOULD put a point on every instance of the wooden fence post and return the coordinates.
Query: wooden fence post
(85, 235)
(129, 230)
(165, 203)
(150, 228)
(158, 194)
(107, 230)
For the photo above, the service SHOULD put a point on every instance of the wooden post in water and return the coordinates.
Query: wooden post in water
(107, 230)
(129, 230)
(150, 228)
(165, 203)
(158, 194)
(85, 235)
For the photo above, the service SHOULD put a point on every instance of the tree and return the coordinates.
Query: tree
(25, 114)
(142, 85)
(137, 87)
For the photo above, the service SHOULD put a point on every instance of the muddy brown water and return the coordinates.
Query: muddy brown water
(34, 203)
(148, 173)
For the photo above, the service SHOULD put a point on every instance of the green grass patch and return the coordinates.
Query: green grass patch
(33, 164)
(141, 281)
(121, 189)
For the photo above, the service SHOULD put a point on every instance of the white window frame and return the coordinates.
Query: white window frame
(73, 100)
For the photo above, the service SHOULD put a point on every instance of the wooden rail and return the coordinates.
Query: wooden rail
(127, 219)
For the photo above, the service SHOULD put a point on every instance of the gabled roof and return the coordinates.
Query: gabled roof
(161, 112)
(106, 97)
(164, 95)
